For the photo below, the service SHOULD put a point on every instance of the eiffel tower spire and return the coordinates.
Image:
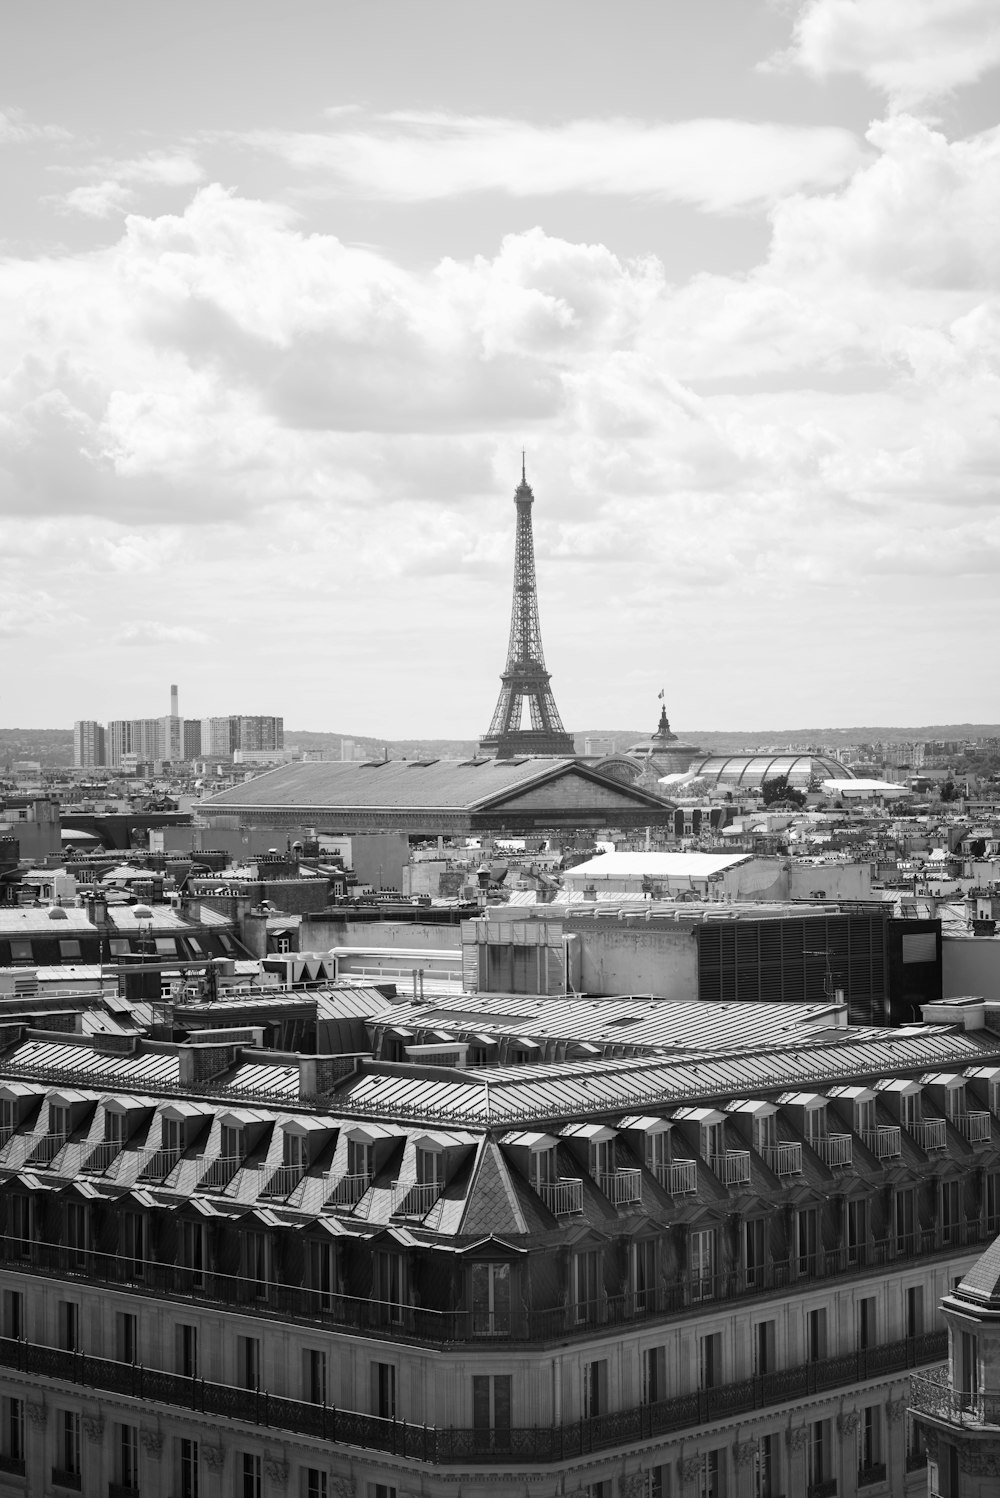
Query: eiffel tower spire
(525, 677)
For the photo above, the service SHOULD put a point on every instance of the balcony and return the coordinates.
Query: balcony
(825, 1489)
(929, 1133)
(732, 1168)
(884, 1142)
(562, 1196)
(121, 1490)
(348, 1191)
(875, 1472)
(451, 1445)
(975, 1127)
(12, 1464)
(621, 1186)
(782, 1159)
(414, 1199)
(63, 1479)
(283, 1180)
(102, 1155)
(834, 1149)
(933, 1394)
(156, 1164)
(679, 1177)
(219, 1172)
(45, 1147)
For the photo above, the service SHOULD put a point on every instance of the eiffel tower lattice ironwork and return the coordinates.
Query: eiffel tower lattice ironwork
(525, 678)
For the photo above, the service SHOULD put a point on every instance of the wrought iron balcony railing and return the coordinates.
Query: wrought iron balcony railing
(884, 1142)
(449, 1445)
(156, 1164)
(976, 1127)
(218, 1173)
(45, 1147)
(102, 1154)
(782, 1159)
(834, 1149)
(562, 1196)
(732, 1168)
(348, 1191)
(415, 1198)
(621, 1186)
(933, 1394)
(283, 1180)
(875, 1472)
(929, 1133)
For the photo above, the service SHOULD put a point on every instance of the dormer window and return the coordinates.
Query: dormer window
(816, 1125)
(658, 1151)
(764, 1132)
(542, 1169)
(954, 1103)
(59, 1120)
(602, 1158)
(295, 1151)
(232, 1142)
(713, 1140)
(910, 1109)
(430, 1167)
(864, 1116)
(360, 1159)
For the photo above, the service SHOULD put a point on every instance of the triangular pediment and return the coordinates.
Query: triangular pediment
(572, 788)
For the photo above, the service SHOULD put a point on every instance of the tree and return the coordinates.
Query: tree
(949, 791)
(777, 790)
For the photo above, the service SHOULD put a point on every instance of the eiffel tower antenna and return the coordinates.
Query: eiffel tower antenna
(525, 677)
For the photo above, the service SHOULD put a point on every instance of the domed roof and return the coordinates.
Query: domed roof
(749, 771)
(56, 913)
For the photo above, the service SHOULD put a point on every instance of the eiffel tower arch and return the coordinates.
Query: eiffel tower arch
(525, 678)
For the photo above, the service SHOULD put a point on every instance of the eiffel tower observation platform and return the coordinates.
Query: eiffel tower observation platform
(525, 684)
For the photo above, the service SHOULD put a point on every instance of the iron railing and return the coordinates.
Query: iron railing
(782, 1159)
(562, 1196)
(834, 1149)
(679, 1177)
(218, 1173)
(884, 1142)
(102, 1154)
(348, 1191)
(415, 1198)
(732, 1168)
(283, 1180)
(976, 1127)
(621, 1186)
(156, 1164)
(934, 1394)
(450, 1444)
(875, 1472)
(929, 1133)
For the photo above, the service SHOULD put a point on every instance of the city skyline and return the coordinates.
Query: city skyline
(283, 300)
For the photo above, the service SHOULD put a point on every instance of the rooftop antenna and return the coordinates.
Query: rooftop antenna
(523, 476)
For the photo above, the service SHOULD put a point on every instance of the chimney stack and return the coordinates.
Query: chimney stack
(173, 702)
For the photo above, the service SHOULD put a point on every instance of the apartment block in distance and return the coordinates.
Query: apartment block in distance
(89, 744)
(706, 1273)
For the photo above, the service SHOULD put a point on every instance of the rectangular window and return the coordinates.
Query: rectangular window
(657, 1483)
(430, 1167)
(654, 1374)
(818, 1453)
(126, 1337)
(69, 950)
(816, 1335)
(13, 1314)
(857, 1231)
(702, 1264)
(187, 1350)
(763, 1348)
(68, 1314)
(132, 1238)
(867, 1316)
(644, 1278)
(710, 1360)
(248, 1362)
(20, 951)
(192, 1253)
(765, 1467)
(869, 1439)
(708, 1484)
(491, 1401)
(951, 1227)
(321, 1273)
(587, 1278)
(807, 1235)
(187, 1464)
(250, 1475)
(490, 1292)
(384, 1390)
(13, 1430)
(381, 1490)
(595, 1388)
(314, 1483)
(69, 1445)
(21, 1217)
(755, 1240)
(387, 1286)
(314, 1375)
(360, 1159)
(128, 1457)
(915, 1311)
(969, 1367)
(905, 1221)
(77, 1233)
(256, 1263)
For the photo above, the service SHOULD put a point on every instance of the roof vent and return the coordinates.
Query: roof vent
(142, 913)
(56, 913)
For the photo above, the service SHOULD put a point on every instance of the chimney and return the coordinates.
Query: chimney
(173, 702)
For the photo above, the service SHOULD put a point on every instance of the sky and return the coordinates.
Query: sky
(286, 290)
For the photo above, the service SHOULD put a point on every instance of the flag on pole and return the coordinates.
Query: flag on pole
(660, 698)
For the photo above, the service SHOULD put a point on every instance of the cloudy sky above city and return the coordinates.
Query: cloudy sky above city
(285, 290)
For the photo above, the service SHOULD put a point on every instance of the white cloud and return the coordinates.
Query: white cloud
(912, 50)
(716, 164)
(17, 130)
(112, 188)
(144, 632)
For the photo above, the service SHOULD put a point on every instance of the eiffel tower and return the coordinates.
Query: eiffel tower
(525, 678)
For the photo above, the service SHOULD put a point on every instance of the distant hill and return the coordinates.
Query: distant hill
(54, 746)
